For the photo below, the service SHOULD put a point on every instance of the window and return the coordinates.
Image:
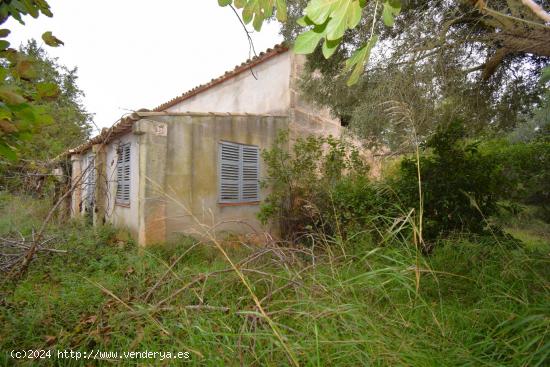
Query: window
(239, 173)
(90, 181)
(123, 175)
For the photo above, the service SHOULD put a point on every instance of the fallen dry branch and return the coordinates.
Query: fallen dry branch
(14, 249)
(30, 253)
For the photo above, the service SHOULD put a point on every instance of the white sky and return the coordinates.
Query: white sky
(135, 54)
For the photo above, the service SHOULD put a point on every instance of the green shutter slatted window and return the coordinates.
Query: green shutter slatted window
(123, 174)
(239, 173)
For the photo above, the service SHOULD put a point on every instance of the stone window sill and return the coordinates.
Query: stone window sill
(247, 203)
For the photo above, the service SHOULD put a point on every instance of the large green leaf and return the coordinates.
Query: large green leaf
(346, 16)
(307, 42)
(304, 21)
(31, 8)
(267, 8)
(248, 11)
(44, 7)
(51, 40)
(258, 21)
(329, 47)
(257, 11)
(281, 10)
(390, 10)
(319, 10)
(4, 45)
(358, 60)
(239, 4)
(330, 20)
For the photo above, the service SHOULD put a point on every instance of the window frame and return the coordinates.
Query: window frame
(124, 179)
(241, 166)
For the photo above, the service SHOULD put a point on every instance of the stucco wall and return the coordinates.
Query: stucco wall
(274, 91)
(184, 199)
(76, 196)
(305, 117)
(174, 184)
(80, 171)
(118, 215)
(268, 94)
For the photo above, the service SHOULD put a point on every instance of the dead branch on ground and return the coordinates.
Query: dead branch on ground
(14, 250)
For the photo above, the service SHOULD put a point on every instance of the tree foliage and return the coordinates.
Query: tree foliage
(71, 123)
(436, 91)
(460, 186)
(525, 173)
(64, 122)
(497, 30)
(21, 109)
(536, 126)
(476, 61)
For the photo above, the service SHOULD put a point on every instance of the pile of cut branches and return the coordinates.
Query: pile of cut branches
(15, 248)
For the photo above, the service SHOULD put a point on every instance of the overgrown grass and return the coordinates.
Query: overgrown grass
(526, 225)
(481, 301)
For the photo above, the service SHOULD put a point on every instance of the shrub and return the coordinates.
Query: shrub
(525, 170)
(460, 186)
(319, 184)
(362, 205)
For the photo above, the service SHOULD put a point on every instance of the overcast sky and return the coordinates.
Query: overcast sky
(135, 54)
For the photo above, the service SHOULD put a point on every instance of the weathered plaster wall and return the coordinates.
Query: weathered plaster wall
(76, 196)
(80, 170)
(182, 196)
(174, 184)
(122, 216)
(106, 209)
(268, 94)
(306, 118)
(275, 91)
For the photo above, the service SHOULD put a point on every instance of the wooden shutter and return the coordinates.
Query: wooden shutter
(239, 173)
(123, 174)
(229, 172)
(250, 178)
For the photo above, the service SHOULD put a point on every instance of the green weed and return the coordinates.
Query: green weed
(479, 302)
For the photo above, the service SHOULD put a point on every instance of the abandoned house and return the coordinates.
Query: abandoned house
(194, 162)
